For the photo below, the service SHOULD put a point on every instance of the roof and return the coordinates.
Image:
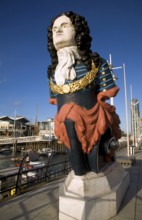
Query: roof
(17, 118)
(4, 118)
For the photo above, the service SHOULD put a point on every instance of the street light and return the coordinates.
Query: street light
(113, 76)
(126, 110)
(132, 118)
(126, 102)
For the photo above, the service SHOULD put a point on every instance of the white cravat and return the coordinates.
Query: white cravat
(66, 60)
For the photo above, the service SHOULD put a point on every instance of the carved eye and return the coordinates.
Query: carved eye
(65, 25)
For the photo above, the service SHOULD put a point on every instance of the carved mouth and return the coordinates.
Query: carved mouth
(59, 34)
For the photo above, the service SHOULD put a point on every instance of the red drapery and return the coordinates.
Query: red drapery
(89, 124)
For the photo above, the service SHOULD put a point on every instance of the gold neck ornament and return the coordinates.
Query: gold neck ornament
(77, 85)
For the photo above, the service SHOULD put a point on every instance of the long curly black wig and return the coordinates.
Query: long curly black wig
(82, 38)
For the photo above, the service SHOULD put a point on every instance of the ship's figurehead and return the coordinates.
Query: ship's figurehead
(80, 83)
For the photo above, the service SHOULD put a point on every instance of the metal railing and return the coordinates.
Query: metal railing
(26, 139)
(28, 176)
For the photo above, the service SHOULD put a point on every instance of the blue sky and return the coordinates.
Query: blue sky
(115, 28)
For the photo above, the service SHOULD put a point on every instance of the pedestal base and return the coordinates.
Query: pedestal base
(93, 196)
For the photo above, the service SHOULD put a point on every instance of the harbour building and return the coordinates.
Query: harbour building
(136, 121)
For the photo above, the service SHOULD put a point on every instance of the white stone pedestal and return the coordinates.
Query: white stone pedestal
(93, 196)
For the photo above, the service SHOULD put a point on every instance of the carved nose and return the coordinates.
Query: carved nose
(59, 29)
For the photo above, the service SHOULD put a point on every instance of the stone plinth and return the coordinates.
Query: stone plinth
(93, 196)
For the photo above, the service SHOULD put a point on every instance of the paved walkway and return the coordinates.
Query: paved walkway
(131, 207)
(43, 203)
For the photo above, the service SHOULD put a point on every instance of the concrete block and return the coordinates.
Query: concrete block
(93, 196)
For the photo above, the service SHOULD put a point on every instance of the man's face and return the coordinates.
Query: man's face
(63, 33)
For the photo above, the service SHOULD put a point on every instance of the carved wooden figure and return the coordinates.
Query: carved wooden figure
(80, 82)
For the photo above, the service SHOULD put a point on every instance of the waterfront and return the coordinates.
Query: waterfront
(19, 176)
(20, 149)
(43, 202)
(7, 160)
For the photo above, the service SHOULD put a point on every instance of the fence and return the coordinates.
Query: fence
(28, 175)
(28, 139)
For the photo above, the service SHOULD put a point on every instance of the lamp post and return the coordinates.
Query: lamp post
(126, 106)
(113, 76)
(126, 110)
(126, 102)
(132, 118)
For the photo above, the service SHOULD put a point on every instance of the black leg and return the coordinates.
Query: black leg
(93, 158)
(78, 159)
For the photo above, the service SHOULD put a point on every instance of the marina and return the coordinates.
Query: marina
(29, 163)
(22, 175)
(45, 198)
(23, 144)
(6, 151)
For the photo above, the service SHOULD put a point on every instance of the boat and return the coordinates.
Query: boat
(16, 159)
(46, 152)
(6, 151)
